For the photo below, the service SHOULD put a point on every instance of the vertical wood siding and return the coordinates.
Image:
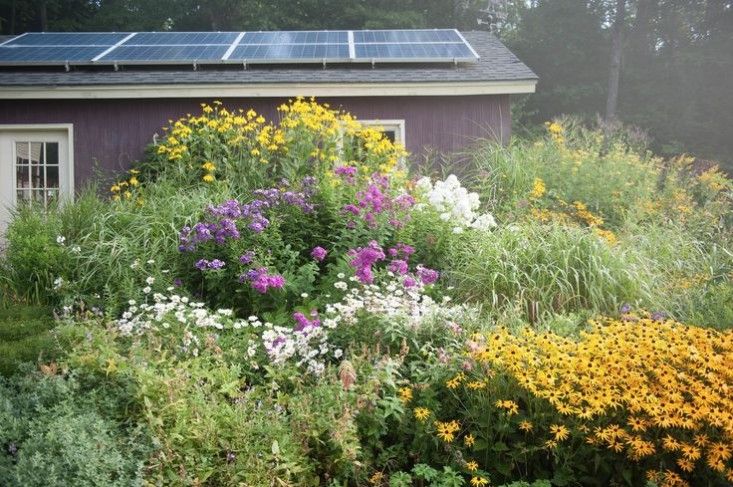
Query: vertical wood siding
(109, 135)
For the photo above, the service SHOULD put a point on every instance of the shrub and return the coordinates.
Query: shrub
(54, 432)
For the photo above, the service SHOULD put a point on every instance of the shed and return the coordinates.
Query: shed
(75, 103)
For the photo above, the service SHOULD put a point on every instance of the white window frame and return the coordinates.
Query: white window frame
(396, 125)
(66, 175)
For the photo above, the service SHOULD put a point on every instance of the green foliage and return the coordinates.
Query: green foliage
(26, 335)
(33, 259)
(543, 269)
(55, 432)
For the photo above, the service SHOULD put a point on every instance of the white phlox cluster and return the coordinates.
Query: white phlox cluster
(454, 203)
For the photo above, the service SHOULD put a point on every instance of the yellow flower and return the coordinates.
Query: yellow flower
(469, 440)
(471, 466)
(479, 481)
(134, 181)
(208, 178)
(526, 426)
(455, 381)
(405, 394)
(560, 432)
(377, 478)
(208, 166)
(447, 431)
(538, 189)
(421, 414)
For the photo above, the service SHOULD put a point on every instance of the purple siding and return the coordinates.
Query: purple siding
(111, 134)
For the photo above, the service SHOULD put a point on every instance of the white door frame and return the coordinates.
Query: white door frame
(67, 175)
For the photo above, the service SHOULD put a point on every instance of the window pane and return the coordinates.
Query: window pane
(39, 196)
(21, 153)
(36, 152)
(52, 177)
(22, 176)
(36, 176)
(52, 152)
(391, 135)
(24, 195)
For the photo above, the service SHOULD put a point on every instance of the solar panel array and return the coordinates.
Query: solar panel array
(155, 48)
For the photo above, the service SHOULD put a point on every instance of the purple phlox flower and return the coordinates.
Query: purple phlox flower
(405, 201)
(177, 282)
(396, 223)
(403, 250)
(231, 457)
(229, 209)
(247, 257)
(364, 258)
(346, 172)
(276, 281)
(427, 276)
(260, 280)
(351, 224)
(351, 208)
(398, 266)
(625, 308)
(260, 283)
(227, 229)
(277, 342)
(259, 223)
(203, 264)
(409, 282)
(302, 322)
(380, 179)
(373, 199)
(319, 253)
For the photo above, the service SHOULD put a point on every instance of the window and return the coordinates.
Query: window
(394, 130)
(36, 166)
(37, 172)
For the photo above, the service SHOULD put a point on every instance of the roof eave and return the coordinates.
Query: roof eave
(274, 90)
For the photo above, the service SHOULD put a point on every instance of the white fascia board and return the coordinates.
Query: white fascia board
(267, 90)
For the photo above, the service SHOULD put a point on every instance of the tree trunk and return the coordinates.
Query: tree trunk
(44, 16)
(615, 68)
(13, 13)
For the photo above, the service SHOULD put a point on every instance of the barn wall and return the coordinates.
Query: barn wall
(112, 134)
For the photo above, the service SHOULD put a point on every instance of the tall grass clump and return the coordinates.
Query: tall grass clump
(543, 269)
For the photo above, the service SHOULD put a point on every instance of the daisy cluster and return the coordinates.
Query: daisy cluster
(409, 306)
(168, 310)
(455, 204)
(306, 344)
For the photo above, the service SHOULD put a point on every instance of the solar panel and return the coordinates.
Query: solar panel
(165, 54)
(44, 55)
(295, 47)
(182, 38)
(423, 51)
(296, 37)
(290, 52)
(59, 39)
(372, 36)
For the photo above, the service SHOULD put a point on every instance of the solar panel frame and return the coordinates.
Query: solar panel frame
(206, 48)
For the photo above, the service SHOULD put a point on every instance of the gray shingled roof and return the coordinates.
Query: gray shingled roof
(497, 63)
